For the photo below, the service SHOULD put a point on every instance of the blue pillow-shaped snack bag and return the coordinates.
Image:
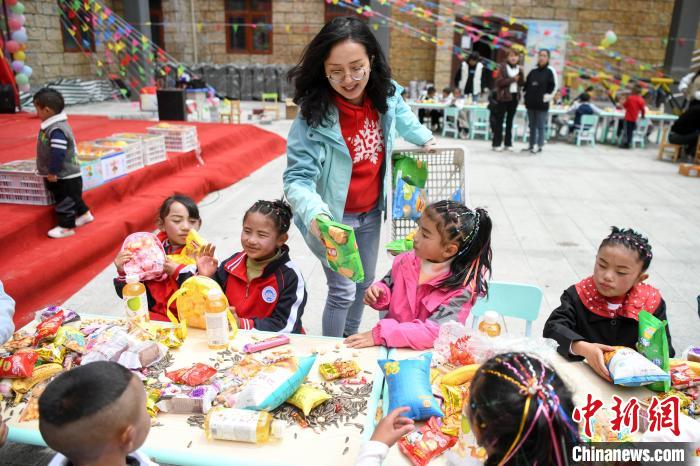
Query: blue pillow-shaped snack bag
(409, 385)
(269, 390)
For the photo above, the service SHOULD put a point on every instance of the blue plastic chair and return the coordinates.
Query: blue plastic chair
(449, 122)
(479, 124)
(516, 300)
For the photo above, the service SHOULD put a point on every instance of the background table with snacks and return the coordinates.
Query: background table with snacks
(332, 432)
(577, 375)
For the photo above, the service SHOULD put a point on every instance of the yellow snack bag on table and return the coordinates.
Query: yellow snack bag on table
(307, 398)
(188, 254)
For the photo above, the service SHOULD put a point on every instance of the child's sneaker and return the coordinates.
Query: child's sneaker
(60, 232)
(84, 219)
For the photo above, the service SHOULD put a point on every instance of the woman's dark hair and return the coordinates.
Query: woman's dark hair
(279, 211)
(188, 202)
(549, 54)
(632, 240)
(49, 98)
(514, 387)
(471, 230)
(313, 93)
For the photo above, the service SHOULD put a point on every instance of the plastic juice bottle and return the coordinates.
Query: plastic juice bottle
(489, 326)
(136, 303)
(242, 425)
(216, 319)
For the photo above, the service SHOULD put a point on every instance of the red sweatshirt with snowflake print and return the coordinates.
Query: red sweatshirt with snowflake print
(362, 132)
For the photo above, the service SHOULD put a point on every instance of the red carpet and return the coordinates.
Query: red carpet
(38, 271)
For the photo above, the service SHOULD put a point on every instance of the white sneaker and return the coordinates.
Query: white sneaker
(497, 149)
(84, 219)
(510, 149)
(60, 232)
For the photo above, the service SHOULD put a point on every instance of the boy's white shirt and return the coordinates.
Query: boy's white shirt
(372, 453)
(60, 460)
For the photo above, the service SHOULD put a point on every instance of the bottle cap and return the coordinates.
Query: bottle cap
(214, 293)
(491, 317)
(132, 278)
(277, 428)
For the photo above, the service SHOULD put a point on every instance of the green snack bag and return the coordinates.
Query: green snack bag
(411, 170)
(399, 246)
(653, 344)
(341, 249)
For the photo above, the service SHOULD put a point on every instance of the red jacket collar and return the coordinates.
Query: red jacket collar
(641, 297)
(236, 265)
(169, 249)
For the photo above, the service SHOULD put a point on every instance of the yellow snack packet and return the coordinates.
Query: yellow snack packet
(52, 353)
(187, 255)
(339, 369)
(307, 398)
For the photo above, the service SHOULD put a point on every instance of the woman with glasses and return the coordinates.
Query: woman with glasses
(337, 149)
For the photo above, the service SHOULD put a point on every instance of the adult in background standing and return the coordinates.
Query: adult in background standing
(540, 86)
(468, 77)
(337, 150)
(509, 80)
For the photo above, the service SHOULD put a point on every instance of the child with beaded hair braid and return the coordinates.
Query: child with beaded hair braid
(602, 310)
(437, 282)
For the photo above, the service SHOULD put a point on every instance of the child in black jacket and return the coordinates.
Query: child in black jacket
(602, 310)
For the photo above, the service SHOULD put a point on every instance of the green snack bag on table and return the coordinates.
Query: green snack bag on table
(653, 344)
(411, 170)
(341, 249)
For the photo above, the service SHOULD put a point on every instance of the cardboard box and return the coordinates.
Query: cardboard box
(688, 169)
(91, 171)
(113, 166)
(291, 110)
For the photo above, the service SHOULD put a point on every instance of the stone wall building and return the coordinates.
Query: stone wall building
(210, 38)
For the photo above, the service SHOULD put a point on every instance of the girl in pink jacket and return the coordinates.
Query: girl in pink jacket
(436, 282)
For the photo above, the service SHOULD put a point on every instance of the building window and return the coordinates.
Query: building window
(77, 29)
(248, 26)
(334, 11)
(157, 26)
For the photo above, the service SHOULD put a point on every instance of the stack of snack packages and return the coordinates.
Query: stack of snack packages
(61, 340)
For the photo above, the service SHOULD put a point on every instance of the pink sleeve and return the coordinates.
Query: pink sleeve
(416, 334)
(382, 303)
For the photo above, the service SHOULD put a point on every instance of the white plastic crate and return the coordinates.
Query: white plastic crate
(20, 184)
(91, 171)
(178, 138)
(153, 146)
(447, 179)
(133, 151)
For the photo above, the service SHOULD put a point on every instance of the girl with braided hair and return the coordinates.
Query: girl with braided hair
(264, 287)
(518, 408)
(437, 282)
(520, 412)
(602, 310)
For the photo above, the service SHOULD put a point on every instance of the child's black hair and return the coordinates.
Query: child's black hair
(82, 392)
(471, 230)
(474, 56)
(497, 402)
(632, 240)
(312, 92)
(585, 97)
(188, 202)
(636, 89)
(279, 211)
(446, 90)
(430, 89)
(49, 98)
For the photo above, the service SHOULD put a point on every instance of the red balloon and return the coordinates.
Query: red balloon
(14, 23)
(12, 46)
